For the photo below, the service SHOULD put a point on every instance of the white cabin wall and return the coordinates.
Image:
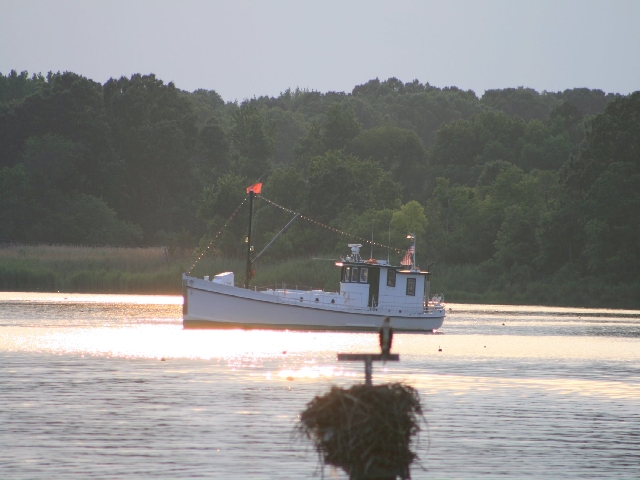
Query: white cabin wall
(396, 297)
(354, 294)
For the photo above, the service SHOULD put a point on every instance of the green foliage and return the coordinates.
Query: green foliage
(17, 203)
(207, 105)
(399, 152)
(254, 142)
(16, 86)
(212, 152)
(340, 127)
(338, 181)
(520, 185)
(290, 128)
(410, 218)
(603, 184)
(523, 102)
(154, 130)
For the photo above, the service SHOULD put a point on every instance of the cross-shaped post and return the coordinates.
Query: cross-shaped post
(368, 359)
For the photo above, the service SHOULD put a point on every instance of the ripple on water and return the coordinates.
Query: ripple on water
(84, 393)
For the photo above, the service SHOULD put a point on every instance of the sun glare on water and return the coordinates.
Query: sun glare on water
(150, 328)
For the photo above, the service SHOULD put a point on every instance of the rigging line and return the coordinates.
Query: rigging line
(217, 235)
(286, 227)
(341, 232)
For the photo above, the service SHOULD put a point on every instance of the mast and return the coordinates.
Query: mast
(412, 236)
(249, 248)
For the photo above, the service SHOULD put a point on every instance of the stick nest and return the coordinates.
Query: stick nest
(365, 429)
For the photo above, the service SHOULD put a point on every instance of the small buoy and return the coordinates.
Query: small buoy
(284, 352)
(503, 324)
(290, 379)
(439, 349)
(163, 359)
(485, 346)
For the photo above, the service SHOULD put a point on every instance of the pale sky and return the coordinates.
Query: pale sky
(243, 49)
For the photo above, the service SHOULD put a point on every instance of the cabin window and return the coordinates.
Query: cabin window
(364, 275)
(391, 278)
(354, 274)
(411, 287)
(347, 274)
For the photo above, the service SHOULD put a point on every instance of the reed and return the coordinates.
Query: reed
(153, 270)
(158, 270)
(483, 284)
(68, 268)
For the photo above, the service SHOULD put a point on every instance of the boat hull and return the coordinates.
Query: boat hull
(211, 305)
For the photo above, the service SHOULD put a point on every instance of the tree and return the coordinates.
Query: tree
(17, 206)
(399, 152)
(526, 103)
(253, 141)
(289, 128)
(217, 204)
(339, 128)
(154, 133)
(16, 86)
(339, 182)
(212, 152)
(71, 107)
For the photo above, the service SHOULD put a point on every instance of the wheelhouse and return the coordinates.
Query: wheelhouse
(382, 286)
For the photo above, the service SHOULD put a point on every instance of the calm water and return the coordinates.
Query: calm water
(551, 393)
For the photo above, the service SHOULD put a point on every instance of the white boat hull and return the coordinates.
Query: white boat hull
(211, 305)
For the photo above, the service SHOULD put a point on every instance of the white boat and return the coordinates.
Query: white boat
(369, 291)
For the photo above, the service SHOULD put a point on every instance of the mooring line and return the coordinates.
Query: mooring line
(217, 235)
(320, 224)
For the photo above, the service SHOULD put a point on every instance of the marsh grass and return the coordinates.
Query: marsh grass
(67, 268)
(483, 285)
(152, 270)
(158, 270)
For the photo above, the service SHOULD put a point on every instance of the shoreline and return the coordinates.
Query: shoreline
(158, 271)
(176, 299)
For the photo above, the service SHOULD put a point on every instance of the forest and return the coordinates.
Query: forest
(532, 195)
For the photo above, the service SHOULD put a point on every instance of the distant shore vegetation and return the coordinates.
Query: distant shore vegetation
(516, 196)
(158, 270)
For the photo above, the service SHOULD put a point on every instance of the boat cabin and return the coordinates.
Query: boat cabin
(377, 284)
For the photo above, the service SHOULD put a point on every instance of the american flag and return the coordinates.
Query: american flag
(408, 260)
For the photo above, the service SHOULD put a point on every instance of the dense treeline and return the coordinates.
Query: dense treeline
(527, 187)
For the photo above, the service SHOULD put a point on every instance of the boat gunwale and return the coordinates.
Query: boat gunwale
(369, 311)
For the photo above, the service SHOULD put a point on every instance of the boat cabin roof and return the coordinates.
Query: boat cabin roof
(355, 260)
(383, 264)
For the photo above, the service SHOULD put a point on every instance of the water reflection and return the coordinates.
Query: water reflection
(171, 341)
(551, 393)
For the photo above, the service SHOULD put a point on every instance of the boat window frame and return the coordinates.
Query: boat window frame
(364, 274)
(391, 277)
(355, 274)
(347, 275)
(411, 286)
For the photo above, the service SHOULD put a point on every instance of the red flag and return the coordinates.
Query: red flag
(255, 188)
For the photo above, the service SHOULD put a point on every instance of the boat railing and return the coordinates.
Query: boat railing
(291, 287)
(294, 294)
(333, 300)
(436, 302)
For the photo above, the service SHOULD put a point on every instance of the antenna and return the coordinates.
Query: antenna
(372, 224)
(389, 244)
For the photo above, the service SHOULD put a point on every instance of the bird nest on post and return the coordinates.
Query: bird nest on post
(365, 430)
